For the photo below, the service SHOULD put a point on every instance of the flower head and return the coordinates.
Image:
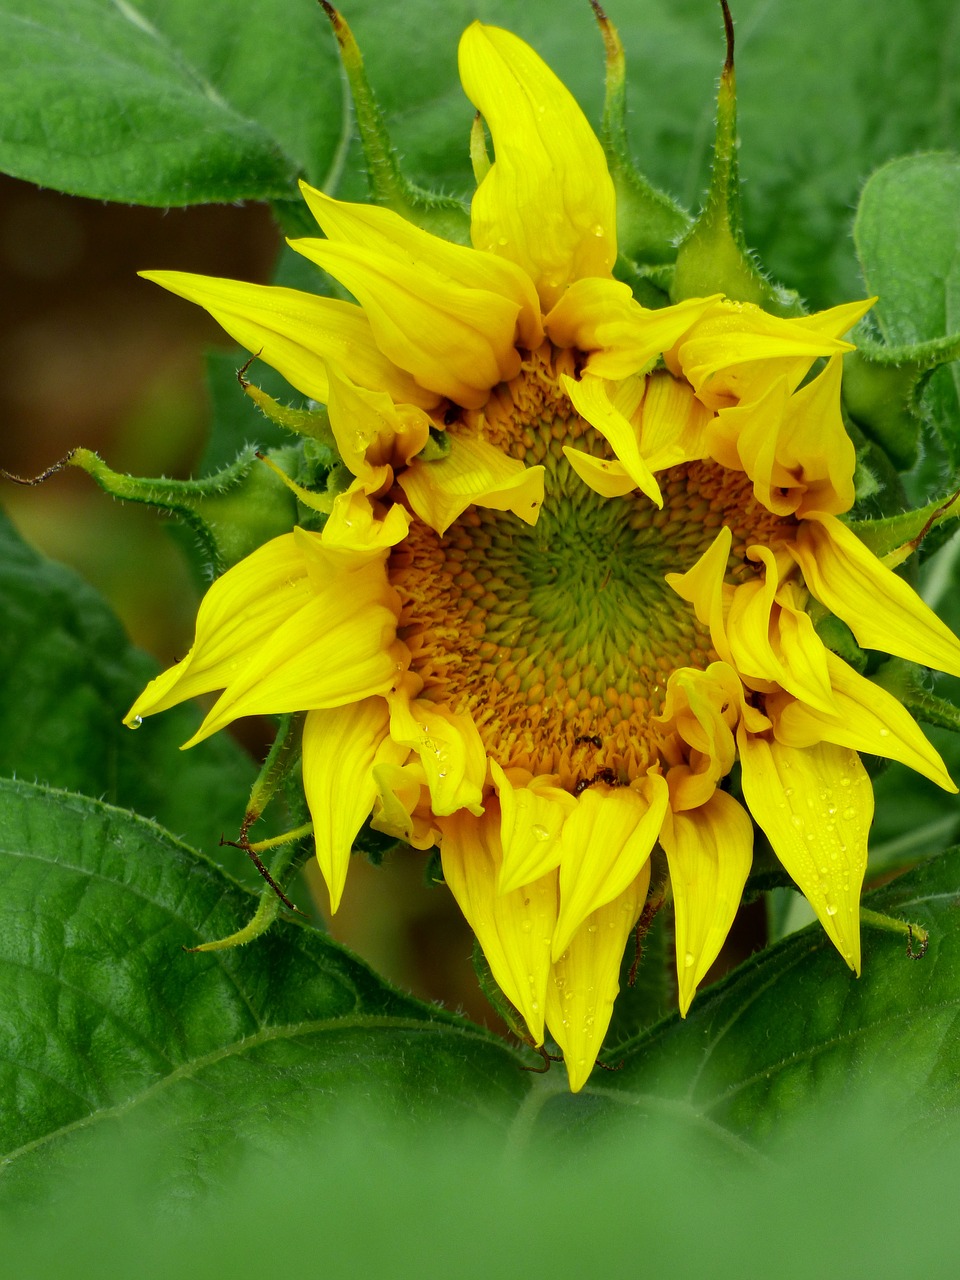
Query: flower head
(570, 581)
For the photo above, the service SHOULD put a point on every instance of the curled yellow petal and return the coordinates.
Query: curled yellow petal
(450, 750)
(867, 718)
(514, 929)
(736, 349)
(531, 822)
(547, 202)
(881, 610)
(602, 318)
(703, 587)
(340, 748)
(709, 851)
(299, 334)
(604, 844)
(591, 399)
(372, 433)
(815, 805)
(473, 473)
(586, 979)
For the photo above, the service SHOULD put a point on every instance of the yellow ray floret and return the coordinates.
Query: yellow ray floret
(341, 748)
(709, 851)
(547, 203)
(298, 333)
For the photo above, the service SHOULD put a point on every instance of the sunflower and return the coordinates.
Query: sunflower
(572, 579)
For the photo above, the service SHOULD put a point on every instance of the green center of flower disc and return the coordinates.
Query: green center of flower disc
(559, 638)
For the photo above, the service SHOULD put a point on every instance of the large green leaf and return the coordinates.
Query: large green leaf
(167, 102)
(106, 1018)
(107, 1021)
(68, 674)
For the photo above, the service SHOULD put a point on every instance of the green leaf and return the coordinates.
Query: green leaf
(107, 1019)
(164, 102)
(68, 674)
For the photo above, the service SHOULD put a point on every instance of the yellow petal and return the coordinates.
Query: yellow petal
(709, 851)
(602, 318)
(700, 712)
(548, 202)
(609, 479)
(772, 641)
(389, 234)
(450, 750)
(815, 806)
(513, 929)
(473, 473)
(298, 334)
(372, 433)
(591, 400)
(868, 718)
(398, 810)
(353, 525)
(340, 748)
(604, 844)
(239, 613)
(703, 587)
(736, 350)
(586, 979)
(674, 426)
(531, 820)
(454, 339)
(881, 610)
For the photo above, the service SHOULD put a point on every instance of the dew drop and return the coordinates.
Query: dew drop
(788, 791)
(688, 960)
(598, 231)
(502, 242)
(844, 782)
(527, 926)
(884, 733)
(849, 813)
(540, 832)
(135, 723)
(591, 928)
(831, 909)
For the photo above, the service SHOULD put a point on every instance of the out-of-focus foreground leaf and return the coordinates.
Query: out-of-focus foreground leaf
(107, 1019)
(110, 1026)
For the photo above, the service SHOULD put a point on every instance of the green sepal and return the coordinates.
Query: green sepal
(882, 387)
(312, 423)
(442, 215)
(906, 530)
(713, 257)
(649, 223)
(231, 513)
(906, 682)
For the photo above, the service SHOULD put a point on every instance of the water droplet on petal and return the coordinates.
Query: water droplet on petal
(135, 723)
(849, 813)
(539, 832)
(831, 909)
(688, 960)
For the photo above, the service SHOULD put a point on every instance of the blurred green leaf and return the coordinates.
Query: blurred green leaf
(222, 1050)
(167, 102)
(67, 676)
